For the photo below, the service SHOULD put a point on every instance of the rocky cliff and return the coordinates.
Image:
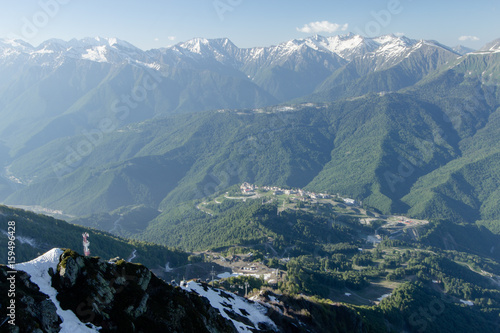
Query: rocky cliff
(62, 291)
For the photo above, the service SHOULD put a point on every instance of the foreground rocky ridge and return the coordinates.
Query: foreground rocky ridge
(118, 296)
(126, 297)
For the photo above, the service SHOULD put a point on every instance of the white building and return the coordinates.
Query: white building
(349, 201)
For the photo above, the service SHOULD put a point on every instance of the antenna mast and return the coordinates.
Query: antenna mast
(86, 243)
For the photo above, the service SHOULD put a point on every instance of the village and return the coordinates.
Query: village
(238, 264)
(391, 226)
(251, 189)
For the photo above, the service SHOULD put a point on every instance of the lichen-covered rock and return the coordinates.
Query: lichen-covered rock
(35, 312)
(126, 297)
(70, 268)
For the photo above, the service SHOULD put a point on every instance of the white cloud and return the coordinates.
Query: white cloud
(399, 34)
(157, 39)
(171, 37)
(464, 38)
(322, 26)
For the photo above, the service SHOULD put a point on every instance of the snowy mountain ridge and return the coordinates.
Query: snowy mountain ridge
(46, 270)
(113, 50)
(493, 46)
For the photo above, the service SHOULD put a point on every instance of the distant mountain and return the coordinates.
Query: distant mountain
(61, 88)
(300, 67)
(460, 49)
(397, 63)
(440, 120)
(493, 46)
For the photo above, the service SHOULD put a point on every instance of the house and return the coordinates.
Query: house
(349, 201)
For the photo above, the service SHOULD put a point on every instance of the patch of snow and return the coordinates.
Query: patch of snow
(97, 54)
(27, 240)
(226, 301)
(154, 65)
(469, 303)
(23, 240)
(168, 268)
(38, 269)
(266, 276)
(484, 52)
(384, 296)
(373, 239)
(44, 51)
(226, 275)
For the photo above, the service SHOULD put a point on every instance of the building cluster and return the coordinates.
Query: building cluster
(247, 188)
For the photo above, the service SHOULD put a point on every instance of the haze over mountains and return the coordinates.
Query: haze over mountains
(193, 76)
(380, 119)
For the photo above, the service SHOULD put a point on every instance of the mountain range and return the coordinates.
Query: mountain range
(98, 126)
(109, 78)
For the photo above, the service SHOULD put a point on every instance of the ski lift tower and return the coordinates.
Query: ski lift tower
(86, 243)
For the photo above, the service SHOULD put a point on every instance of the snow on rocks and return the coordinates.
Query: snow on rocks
(232, 307)
(38, 269)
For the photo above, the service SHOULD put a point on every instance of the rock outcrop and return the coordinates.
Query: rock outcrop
(126, 297)
(34, 311)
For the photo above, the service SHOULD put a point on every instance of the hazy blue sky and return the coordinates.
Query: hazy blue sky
(155, 23)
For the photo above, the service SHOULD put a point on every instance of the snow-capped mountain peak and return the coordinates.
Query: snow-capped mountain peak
(220, 49)
(13, 48)
(113, 50)
(15, 43)
(53, 52)
(346, 46)
(493, 46)
(195, 45)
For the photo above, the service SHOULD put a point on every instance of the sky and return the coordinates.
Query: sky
(248, 23)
